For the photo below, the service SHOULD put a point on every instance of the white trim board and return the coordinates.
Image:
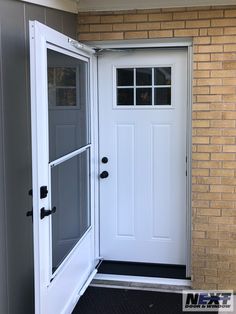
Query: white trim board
(63, 5)
(4, 289)
(144, 280)
(140, 43)
(112, 5)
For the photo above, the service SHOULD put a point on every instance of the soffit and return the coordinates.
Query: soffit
(76, 6)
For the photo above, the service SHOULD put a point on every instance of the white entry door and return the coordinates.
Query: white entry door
(142, 121)
(63, 175)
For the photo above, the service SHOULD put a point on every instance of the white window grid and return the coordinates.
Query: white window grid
(134, 87)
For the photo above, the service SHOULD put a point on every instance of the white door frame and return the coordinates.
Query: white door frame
(163, 43)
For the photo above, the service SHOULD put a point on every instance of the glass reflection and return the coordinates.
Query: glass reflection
(143, 76)
(144, 96)
(66, 97)
(162, 76)
(67, 104)
(65, 76)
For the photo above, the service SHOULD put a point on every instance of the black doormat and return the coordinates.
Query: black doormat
(143, 269)
(121, 301)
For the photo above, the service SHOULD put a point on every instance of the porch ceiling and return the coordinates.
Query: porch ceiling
(110, 5)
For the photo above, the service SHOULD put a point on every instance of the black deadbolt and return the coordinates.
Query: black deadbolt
(104, 160)
(43, 191)
(104, 175)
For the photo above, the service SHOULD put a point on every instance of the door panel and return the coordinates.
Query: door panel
(161, 180)
(142, 112)
(125, 188)
(63, 217)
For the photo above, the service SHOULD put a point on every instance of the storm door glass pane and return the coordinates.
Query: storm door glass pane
(162, 76)
(66, 97)
(143, 76)
(67, 104)
(70, 188)
(125, 77)
(65, 76)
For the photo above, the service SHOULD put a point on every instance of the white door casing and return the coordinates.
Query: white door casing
(143, 200)
(58, 291)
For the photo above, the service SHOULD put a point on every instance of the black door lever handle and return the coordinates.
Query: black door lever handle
(104, 175)
(44, 212)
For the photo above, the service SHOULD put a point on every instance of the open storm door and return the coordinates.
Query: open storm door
(63, 184)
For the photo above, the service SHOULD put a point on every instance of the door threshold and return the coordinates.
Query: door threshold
(141, 282)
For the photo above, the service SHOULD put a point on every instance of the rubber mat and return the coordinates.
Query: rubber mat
(121, 301)
(143, 269)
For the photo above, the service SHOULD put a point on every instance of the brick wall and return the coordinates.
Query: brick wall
(213, 30)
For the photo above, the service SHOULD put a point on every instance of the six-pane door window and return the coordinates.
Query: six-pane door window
(144, 86)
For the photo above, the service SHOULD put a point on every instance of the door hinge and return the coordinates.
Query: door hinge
(29, 213)
(186, 172)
